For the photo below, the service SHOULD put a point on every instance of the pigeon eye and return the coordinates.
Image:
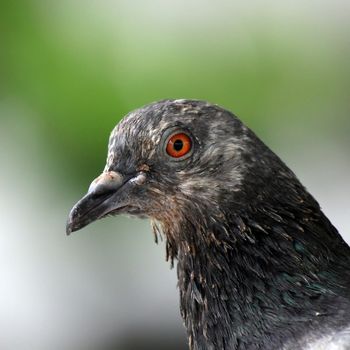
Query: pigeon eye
(178, 145)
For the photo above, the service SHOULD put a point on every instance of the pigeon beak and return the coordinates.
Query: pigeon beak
(106, 194)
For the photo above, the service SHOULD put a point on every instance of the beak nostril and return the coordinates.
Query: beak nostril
(107, 181)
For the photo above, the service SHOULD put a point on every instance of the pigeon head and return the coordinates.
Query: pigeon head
(168, 159)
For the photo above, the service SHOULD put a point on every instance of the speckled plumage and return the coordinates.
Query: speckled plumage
(259, 264)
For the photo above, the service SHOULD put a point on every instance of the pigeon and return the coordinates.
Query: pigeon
(259, 265)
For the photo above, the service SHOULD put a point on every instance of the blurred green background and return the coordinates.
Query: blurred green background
(70, 70)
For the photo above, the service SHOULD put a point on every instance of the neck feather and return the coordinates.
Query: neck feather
(244, 276)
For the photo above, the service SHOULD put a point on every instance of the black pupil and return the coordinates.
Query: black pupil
(178, 144)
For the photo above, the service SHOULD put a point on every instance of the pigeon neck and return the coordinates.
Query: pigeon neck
(251, 276)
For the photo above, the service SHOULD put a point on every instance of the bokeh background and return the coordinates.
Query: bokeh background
(70, 70)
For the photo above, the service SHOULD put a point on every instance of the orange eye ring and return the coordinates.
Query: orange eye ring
(179, 145)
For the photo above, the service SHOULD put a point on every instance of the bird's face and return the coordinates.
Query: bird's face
(163, 158)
